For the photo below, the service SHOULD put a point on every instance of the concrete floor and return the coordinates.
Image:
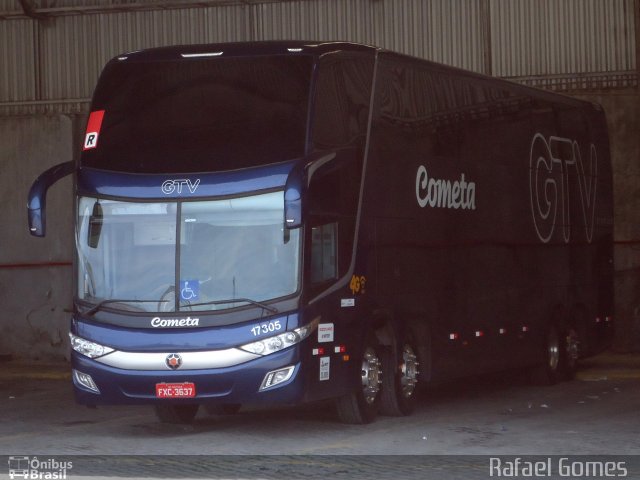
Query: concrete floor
(596, 414)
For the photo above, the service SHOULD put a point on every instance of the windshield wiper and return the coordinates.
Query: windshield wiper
(235, 300)
(99, 305)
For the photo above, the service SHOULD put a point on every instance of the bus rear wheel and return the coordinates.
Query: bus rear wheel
(176, 414)
(361, 405)
(560, 356)
(547, 372)
(570, 353)
(399, 381)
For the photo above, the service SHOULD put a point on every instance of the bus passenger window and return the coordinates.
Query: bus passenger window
(323, 252)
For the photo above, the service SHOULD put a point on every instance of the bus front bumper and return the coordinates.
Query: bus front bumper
(96, 383)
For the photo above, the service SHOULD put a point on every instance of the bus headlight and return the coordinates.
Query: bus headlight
(276, 377)
(270, 345)
(87, 348)
(85, 380)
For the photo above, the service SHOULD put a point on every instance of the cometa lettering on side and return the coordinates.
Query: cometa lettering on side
(436, 193)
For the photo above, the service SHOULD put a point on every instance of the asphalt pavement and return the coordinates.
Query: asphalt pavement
(456, 430)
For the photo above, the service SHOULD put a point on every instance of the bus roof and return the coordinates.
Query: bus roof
(318, 48)
(243, 49)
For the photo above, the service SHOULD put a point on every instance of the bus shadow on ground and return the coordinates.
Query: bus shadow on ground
(322, 416)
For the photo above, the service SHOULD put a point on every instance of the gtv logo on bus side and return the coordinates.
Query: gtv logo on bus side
(550, 161)
(177, 185)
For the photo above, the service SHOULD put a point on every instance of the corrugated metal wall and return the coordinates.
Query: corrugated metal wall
(442, 30)
(75, 50)
(561, 36)
(8, 5)
(17, 61)
(60, 59)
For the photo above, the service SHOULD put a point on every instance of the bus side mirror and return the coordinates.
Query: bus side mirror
(95, 225)
(293, 198)
(292, 209)
(37, 200)
(297, 183)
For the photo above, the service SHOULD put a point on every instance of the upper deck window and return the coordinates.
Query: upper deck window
(201, 114)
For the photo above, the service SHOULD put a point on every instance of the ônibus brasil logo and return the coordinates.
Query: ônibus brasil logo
(36, 469)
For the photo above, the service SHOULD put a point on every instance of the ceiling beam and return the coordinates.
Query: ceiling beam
(30, 11)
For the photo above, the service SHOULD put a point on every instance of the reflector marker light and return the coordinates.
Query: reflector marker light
(598, 320)
(479, 333)
(608, 319)
(340, 349)
(503, 331)
(318, 351)
(453, 336)
(525, 328)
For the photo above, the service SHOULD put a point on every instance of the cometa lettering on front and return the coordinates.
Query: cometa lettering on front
(435, 193)
(158, 322)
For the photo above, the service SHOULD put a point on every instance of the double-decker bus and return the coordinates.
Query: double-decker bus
(284, 222)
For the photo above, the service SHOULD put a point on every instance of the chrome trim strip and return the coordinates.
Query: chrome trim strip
(190, 360)
(200, 55)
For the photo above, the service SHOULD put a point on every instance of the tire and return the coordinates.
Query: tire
(548, 372)
(399, 380)
(176, 414)
(569, 353)
(560, 356)
(361, 405)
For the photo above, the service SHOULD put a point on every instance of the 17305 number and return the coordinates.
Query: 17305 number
(265, 328)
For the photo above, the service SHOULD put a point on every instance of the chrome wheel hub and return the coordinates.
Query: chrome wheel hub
(572, 345)
(553, 350)
(408, 371)
(371, 375)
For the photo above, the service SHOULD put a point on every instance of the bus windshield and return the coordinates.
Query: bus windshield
(201, 114)
(185, 256)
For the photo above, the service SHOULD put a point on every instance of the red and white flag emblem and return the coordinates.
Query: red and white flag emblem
(93, 129)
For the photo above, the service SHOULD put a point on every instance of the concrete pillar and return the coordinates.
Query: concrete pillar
(35, 273)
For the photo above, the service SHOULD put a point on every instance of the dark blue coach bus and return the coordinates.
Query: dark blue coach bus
(285, 222)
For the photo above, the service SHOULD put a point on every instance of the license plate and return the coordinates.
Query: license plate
(175, 390)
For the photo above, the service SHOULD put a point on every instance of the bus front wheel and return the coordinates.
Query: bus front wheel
(361, 405)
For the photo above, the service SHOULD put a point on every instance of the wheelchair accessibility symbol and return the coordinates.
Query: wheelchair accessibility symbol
(189, 290)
